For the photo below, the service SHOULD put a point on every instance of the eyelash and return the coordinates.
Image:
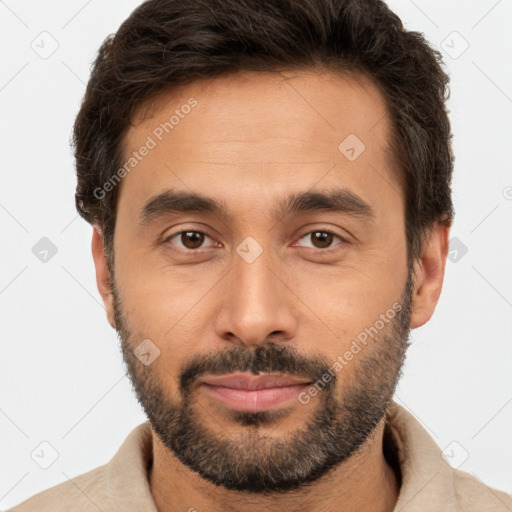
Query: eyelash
(328, 249)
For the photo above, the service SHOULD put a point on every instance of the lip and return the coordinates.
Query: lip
(251, 382)
(253, 392)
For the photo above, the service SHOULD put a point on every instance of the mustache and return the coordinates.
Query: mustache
(266, 358)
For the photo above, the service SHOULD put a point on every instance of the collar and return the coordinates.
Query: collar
(426, 478)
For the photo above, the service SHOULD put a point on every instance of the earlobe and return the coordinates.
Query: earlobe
(429, 275)
(103, 278)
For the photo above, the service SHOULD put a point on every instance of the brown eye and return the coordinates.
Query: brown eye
(321, 239)
(192, 239)
(188, 239)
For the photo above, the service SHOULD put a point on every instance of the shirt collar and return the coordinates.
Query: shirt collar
(427, 479)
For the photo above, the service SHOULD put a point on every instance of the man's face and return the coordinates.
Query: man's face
(305, 293)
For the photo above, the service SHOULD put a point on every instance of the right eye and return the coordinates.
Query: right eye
(188, 240)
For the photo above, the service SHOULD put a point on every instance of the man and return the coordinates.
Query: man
(269, 187)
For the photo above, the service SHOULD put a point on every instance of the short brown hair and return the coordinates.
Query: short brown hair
(166, 43)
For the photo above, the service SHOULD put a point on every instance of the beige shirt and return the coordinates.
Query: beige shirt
(428, 483)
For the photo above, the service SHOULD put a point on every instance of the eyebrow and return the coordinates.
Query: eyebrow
(339, 200)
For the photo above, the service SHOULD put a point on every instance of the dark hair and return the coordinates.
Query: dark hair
(165, 43)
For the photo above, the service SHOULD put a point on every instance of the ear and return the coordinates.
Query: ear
(429, 274)
(103, 278)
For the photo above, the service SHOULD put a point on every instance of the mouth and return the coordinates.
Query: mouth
(253, 393)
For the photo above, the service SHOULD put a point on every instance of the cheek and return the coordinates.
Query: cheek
(155, 296)
(171, 308)
(162, 304)
(343, 302)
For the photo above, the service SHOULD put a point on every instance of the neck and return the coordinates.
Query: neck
(364, 481)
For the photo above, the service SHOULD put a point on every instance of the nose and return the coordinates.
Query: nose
(257, 305)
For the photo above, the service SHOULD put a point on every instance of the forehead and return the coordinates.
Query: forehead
(260, 132)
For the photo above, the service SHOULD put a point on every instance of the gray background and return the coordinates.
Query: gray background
(61, 375)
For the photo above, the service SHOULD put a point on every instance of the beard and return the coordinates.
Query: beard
(255, 462)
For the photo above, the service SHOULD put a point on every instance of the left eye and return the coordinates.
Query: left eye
(321, 239)
(188, 239)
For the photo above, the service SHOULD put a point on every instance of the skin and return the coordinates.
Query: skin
(253, 139)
